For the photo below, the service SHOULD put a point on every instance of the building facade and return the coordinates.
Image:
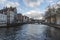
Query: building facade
(54, 17)
(3, 18)
(7, 15)
(11, 15)
(19, 18)
(25, 19)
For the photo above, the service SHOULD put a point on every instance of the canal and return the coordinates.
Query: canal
(30, 32)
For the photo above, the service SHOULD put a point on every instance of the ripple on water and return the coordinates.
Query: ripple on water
(25, 32)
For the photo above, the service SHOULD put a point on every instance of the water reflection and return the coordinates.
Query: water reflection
(30, 32)
(54, 33)
(7, 34)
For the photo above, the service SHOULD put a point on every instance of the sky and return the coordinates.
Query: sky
(31, 8)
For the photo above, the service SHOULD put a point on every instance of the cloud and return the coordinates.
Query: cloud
(2, 1)
(13, 4)
(19, 9)
(56, 5)
(59, 2)
(32, 3)
(49, 1)
(34, 14)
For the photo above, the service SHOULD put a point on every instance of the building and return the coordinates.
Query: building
(11, 15)
(22, 19)
(53, 15)
(31, 20)
(3, 18)
(19, 18)
(57, 15)
(7, 15)
(48, 16)
(25, 19)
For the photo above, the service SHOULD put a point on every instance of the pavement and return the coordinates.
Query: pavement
(53, 25)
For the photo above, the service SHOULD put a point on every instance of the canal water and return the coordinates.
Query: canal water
(30, 32)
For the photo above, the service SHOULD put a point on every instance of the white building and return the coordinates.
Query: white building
(3, 18)
(7, 15)
(58, 19)
(11, 15)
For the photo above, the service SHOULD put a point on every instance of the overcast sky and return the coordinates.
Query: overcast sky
(30, 8)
